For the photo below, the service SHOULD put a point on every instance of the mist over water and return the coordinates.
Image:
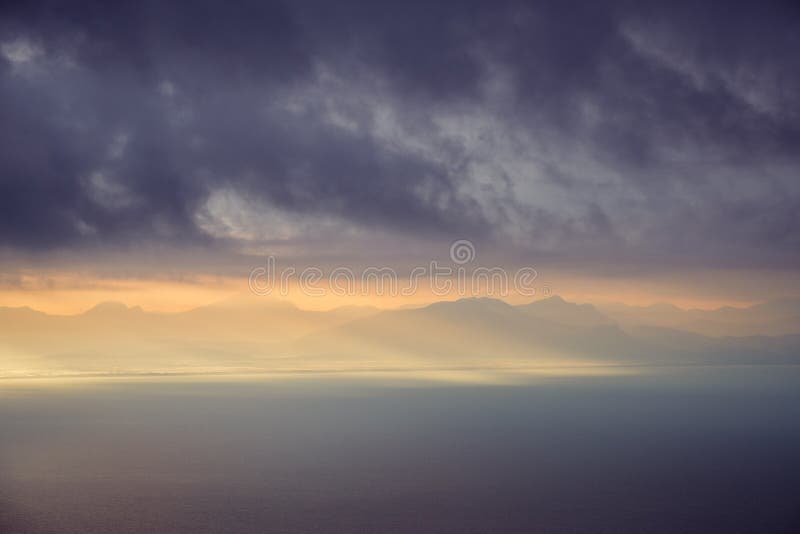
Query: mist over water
(701, 449)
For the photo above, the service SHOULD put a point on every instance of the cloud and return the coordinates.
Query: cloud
(621, 132)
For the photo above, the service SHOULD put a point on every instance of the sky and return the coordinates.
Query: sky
(627, 150)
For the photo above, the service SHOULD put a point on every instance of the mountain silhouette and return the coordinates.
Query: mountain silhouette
(247, 333)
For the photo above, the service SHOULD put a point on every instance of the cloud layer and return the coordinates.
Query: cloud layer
(621, 132)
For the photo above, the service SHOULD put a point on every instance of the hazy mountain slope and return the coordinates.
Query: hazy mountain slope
(678, 347)
(557, 310)
(473, 330)
(486, 331)
(111, 336)
(260, 318)
(244, 334)
(774, 318)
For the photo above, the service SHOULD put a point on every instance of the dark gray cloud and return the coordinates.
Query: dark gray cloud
(592, 131)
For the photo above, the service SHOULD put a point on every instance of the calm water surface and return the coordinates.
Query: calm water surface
(700, 450)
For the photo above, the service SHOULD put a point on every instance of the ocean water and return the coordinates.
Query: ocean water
(687, 450)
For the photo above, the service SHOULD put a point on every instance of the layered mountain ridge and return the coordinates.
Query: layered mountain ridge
(248, 333)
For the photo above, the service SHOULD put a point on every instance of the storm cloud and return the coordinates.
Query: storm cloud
(599, 131)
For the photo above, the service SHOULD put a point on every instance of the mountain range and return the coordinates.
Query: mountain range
(247, 333)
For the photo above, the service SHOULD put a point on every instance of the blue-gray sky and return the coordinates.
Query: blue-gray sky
(599, 133)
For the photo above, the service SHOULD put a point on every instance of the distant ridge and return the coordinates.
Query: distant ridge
(262, 335)
(111, 307)
(771, 318)
(558, 310)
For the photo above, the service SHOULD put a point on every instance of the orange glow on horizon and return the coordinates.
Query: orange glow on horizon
(73, 293)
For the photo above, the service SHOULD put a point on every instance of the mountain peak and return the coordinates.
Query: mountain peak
(555, 300)
(110, 307)
(558, 310)
(473, 301)
(664, 306)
